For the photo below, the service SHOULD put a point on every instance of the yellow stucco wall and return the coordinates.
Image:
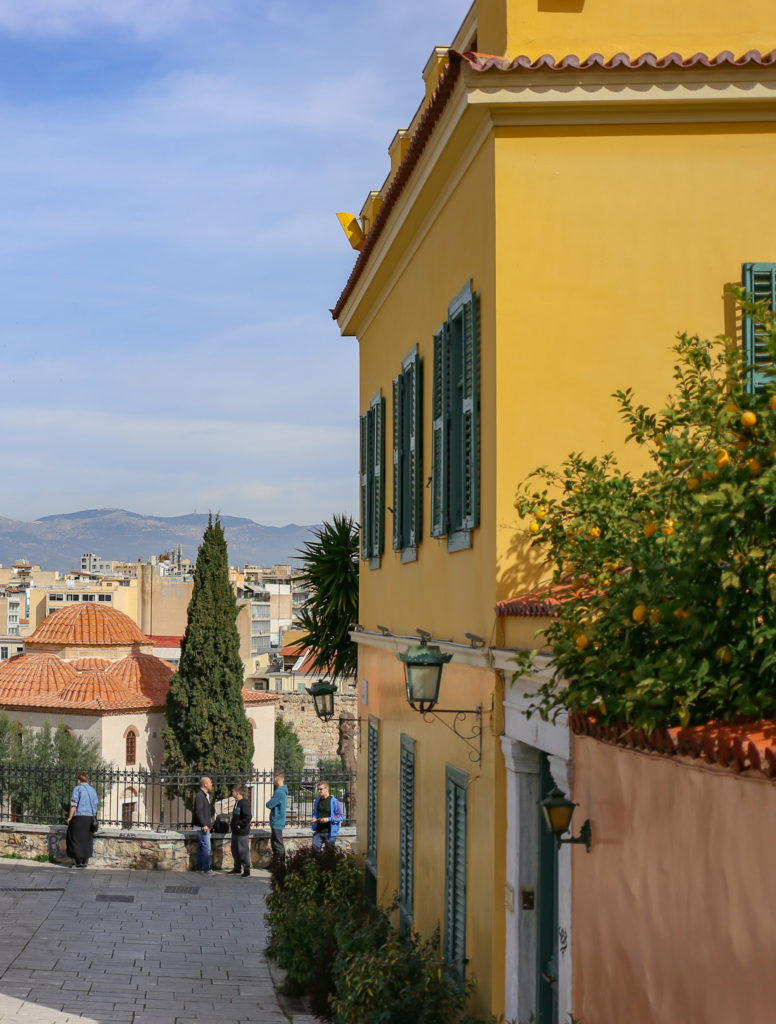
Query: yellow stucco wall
(435, 748)
(583, 27)
(610, 240)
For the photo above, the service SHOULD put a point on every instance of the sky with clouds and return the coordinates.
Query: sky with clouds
(169, 178)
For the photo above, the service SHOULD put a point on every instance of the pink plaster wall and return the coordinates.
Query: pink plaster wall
(674, 908)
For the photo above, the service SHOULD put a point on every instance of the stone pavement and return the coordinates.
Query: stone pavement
(134, 947)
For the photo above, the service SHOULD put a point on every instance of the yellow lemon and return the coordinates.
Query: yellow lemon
(725, 655)
(595, 532)
(668, 527)
(541, 512)
(773, 402)
(639, 613)
(681, 614)
(582, 642)
(534, 527)
(654, 616)
(693, 483)
(722, 458)
(754, 466)
(650, 530)
(731, 407)
(748, 418)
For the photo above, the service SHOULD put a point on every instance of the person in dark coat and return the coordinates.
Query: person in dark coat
(83, 810)
(202, 819)
(241, 833)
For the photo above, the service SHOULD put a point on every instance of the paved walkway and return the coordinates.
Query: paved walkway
(134, 947)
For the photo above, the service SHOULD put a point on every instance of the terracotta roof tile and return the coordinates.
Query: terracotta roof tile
(87, 624)
(87, 664)
(260, 697)
(143, 674)
(736, 746)
(34, 675)
(165, 641)
(90, 688)
(544, 600)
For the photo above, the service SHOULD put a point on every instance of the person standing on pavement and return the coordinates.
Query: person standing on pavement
(328, 813)
(83, 811)
(278, 804)
(240, 826)
(202, 819)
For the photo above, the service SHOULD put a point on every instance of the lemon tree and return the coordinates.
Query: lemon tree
(672, 612)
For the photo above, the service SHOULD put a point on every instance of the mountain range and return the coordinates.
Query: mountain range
(58, 541)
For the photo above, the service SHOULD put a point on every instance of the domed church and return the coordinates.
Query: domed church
(89, 667)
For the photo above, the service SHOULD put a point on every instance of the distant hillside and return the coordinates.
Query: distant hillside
(57, 542)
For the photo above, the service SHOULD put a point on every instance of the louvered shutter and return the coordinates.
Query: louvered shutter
(439, 455)
(398, 495)
(471, 416)
(455, 872)
(378, 537)
(365, 489)
(406, 832)
(371, 810)
(759, 281)
(414, 454)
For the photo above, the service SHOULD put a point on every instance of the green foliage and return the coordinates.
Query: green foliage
(384, 977)
(310, 894)
(672, 572)
(348, 957)
(331, 571)
(56, 755)
(207, 729)
(289, 755)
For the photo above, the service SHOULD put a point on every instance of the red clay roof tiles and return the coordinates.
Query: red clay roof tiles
(85, 624)
(34, 675)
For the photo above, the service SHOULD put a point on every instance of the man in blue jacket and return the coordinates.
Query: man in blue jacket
(277, 805)
(328, 813)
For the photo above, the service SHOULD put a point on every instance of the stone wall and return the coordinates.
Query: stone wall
(319, 739)
(140, 848)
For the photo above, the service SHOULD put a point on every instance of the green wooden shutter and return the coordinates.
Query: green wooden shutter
(439, 455)
(379, 478)
(415, 452)
(398, 495)
(471, 416)
(455, 871)
(371, 810)
(406, 832)
(366, 517)
(759, 281)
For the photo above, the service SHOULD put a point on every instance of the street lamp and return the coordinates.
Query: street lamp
(322, 694)
(557, 810)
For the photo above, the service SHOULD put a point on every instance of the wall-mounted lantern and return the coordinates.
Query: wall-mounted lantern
(424, 663)
(557, 810)
(322, 694)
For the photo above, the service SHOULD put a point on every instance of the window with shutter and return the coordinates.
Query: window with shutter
(407, 462)
(406, 833)
(371, 811)
(759, 281)
(455, 871)
(372, 477)
(455, 460)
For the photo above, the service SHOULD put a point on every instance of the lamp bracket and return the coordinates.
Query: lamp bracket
(583, 837)
(474, 738)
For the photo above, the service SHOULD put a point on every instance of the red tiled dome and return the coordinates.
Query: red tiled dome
(90, 688)
(87, 624)
(29, 675)
(143, 673)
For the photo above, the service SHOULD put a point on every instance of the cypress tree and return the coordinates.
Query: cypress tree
(207, 729)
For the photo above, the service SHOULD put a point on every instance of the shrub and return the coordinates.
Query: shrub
(311, 894)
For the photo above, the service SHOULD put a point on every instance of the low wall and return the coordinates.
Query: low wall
(139, 848)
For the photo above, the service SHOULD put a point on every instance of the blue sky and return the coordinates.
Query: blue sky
(170, 171)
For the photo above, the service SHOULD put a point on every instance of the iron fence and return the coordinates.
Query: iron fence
(158, 800)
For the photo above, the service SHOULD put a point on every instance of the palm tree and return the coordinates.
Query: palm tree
(330, 570)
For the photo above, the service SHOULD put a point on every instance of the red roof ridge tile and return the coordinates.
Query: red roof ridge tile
(544, 599)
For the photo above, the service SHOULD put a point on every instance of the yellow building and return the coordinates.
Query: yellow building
(548, 225)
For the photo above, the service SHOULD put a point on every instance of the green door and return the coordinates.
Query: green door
(547, 910)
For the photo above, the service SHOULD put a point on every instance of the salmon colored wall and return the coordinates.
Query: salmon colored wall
(673, 906)
(583, 27)
(446, 594)
(435, 747)
(610, 240)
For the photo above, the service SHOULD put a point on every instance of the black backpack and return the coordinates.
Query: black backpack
(221, 824)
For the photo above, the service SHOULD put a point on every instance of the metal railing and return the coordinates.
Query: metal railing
(157, 800)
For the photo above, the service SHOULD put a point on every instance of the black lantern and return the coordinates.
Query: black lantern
(424, 664)
(557, 810)
(322, 694)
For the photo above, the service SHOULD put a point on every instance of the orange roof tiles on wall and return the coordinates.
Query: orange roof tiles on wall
(33, 675)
